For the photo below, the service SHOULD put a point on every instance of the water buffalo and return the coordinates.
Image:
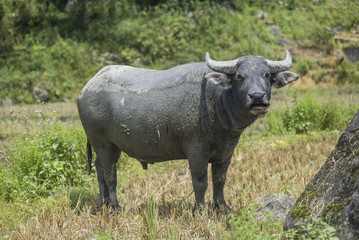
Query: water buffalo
(195, 111)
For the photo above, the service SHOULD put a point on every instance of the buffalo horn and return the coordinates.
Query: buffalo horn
(228, 67)
(279, 66)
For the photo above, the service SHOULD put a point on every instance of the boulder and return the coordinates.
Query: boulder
(351, 54)
(262, 15)
(333, 194)
(41, 94)
(285, 42)
(277, 204)
(274, 30)
(7, 102)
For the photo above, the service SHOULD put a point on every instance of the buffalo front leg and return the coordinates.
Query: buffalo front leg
(219, 171)
(198, 165)
(200, 184)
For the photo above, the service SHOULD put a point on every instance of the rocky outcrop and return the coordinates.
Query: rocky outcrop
(41, 94)
(352, 53)
(277, 204)
(333, 194)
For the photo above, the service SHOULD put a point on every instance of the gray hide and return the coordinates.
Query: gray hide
(195, 111)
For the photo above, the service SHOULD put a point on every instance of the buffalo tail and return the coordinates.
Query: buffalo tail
(89, 155)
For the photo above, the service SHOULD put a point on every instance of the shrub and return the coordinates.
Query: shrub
(348, 72)
(302, 66)
(311, 228)
(38, 164)
(60, 69)
(245, 226)
(309, 114)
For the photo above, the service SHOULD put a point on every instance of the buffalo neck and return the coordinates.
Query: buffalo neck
(232, 113)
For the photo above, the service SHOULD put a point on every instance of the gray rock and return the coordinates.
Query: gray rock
(227, 5)
(7, 102)
(285, 42)
(262, 15)
(338, 52)
(41, 94)
(351, 54)
(330, 30)
(338, 29)
(333, 194)
(334, 30)
(278, 204)
(274, 30)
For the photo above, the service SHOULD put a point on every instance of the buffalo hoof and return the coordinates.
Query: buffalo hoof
(222, 209)
(198, 209)
(113, 210)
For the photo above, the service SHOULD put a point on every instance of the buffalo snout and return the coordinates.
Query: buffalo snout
(258, 103)
(257, 96)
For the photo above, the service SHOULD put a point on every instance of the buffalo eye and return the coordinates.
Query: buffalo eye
(267, 75)
(240, 76)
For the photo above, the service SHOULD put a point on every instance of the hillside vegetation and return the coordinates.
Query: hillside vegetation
(60, 45)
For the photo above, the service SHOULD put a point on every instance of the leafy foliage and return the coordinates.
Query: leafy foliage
(59, 44)
(312, 228)
(245, 226)
(309, 114)
(42, 163)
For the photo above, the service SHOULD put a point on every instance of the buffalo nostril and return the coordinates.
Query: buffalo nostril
(257, 95)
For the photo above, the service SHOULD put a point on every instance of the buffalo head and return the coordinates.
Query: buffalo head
(250, 79)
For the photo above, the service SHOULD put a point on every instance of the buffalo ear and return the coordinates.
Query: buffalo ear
(219, 79)
(283, 78)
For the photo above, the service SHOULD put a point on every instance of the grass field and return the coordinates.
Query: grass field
(158, 202)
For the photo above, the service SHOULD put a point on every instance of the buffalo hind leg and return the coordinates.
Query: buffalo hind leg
(104, 192)
(219, 171)
(107, 175)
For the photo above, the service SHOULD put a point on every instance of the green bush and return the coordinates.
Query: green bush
(38, 164)
(246, 226)
(310, 114)
(302, 66)
(348, 72)
(60, 68)
(80, 196)
(312, 228)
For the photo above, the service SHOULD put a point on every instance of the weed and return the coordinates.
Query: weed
(245, 226)
(150, 218)
(311, 228)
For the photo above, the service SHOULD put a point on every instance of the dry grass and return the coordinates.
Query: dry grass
(17, 119)
(158, 202)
